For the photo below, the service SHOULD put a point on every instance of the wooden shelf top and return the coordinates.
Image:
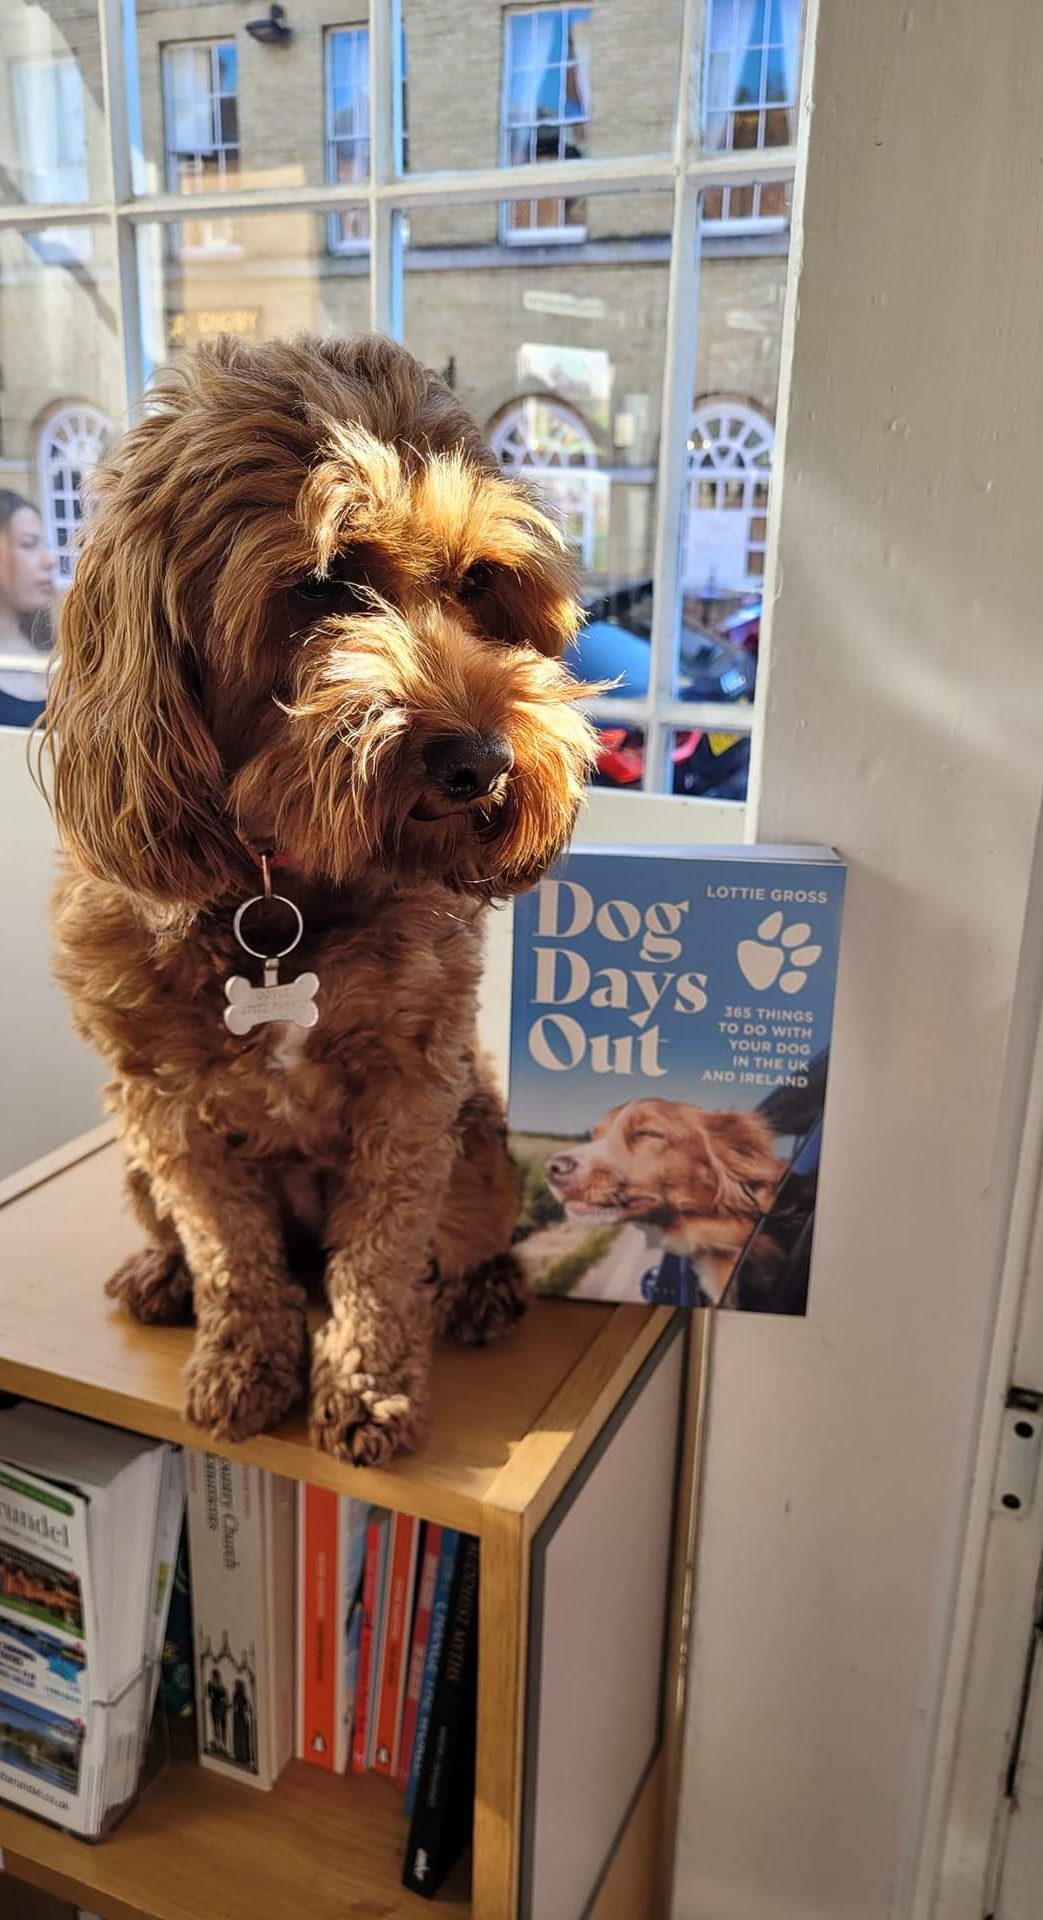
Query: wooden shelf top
(509, 1420)
(319, 1845)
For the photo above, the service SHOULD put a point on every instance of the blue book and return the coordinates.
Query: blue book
(671, 1013)
(439, 1616)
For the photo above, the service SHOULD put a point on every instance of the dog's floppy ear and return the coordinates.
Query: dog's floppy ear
(739, 1149)
(137, 783)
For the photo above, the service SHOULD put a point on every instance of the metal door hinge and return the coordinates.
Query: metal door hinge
(1020, 1448)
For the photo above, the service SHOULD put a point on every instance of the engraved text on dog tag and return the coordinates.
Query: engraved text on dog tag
(290, 1000)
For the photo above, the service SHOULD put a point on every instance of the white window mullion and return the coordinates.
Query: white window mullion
(678, 373)
(385, 160)
(119, 78)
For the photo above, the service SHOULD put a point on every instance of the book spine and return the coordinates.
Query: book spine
(365, 1657)
(432, 1547)
(439, 1615)
(164, 1559)
(354, 1521)
(379, 1632)
(318, 1556)
(443, 1814)
(233, 1660)
(280, 1522)
(401, 1580)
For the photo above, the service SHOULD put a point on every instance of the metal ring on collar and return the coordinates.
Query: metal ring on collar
(261, 899)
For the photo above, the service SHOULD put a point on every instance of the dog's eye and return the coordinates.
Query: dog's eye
(477, 580)
(647, 1133)
(320, 588)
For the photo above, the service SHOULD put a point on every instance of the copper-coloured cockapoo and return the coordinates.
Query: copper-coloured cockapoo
(311, 619)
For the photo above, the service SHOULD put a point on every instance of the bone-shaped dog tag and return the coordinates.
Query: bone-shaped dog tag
(291, 1000)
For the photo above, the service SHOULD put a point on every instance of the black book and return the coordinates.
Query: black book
(444, 1810)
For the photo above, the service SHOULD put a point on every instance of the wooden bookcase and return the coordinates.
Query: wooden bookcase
(549, 1447)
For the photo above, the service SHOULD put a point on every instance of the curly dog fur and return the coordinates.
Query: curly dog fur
(306, 585)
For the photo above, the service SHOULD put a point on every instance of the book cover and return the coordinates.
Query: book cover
(439, 1615)
(241, 1556)
(444, 1811)
(354, 1551)
(430, 1551)
(380, 1623)
(400, 1592)
(318, 1661)
(376, 1551)
(670, 1029)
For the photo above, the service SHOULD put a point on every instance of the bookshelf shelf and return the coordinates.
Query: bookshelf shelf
(542, 1446)
(325, 1847)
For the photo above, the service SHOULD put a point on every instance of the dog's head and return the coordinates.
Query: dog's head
(662, 1162)
(312, 614)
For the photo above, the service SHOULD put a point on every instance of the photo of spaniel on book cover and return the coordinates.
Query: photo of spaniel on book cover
(670, 1028)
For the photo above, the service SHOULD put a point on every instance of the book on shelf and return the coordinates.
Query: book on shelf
(241, 1537)
(442, 1817)
(391, 1694)
(331, 1541)
(89, 1521)
(377, 1534)
(447, 1558)
(430, 1552)
(671, 1013)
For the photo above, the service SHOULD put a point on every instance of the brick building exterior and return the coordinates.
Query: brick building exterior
(574, 318)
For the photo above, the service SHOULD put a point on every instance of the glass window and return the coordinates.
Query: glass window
(60, 353)
(72, 442)
(52, 126)
(546, 113)
(201, 119)
(729, 469)
(281, 281)
(750, 97)
(347, 129)
(564, 372)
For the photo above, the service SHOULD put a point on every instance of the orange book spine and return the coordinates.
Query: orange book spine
(399, 1604)
(318, 1632)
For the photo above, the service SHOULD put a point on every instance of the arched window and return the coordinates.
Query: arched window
(72, 442)
(550, 440)
(730, 451)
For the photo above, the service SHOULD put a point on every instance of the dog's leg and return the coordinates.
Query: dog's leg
(371, 1359)
(155, 1284)
(478, 1287)
(247, 1366)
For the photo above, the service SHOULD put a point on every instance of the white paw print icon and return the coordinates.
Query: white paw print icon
(775, 947)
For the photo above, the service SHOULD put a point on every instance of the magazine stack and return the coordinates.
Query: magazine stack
(90, 1519)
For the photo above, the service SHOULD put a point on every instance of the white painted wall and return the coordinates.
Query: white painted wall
(905, 724)
(49, 1081)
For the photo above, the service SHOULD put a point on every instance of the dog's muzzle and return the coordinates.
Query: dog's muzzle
(461, 769)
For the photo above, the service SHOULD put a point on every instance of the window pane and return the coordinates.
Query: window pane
(597, 80)
(561, 359)
(52, 125)
(750, 88)
(62, 395)
(209, 88)
(713, 765)
(732, 437)
(283, 279)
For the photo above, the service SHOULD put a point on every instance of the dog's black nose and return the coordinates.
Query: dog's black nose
(464, 766)
(561, 1166)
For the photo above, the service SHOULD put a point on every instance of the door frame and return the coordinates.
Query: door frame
(993, 1605)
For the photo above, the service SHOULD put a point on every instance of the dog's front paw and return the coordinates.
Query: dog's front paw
(244, 1375)
(482, 1305)
(359, 1415)
(154, 1286)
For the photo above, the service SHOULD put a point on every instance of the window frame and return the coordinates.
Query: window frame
(686, 171)
(229, 249)
(337, 245)
(55, 419)
(566, 233)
